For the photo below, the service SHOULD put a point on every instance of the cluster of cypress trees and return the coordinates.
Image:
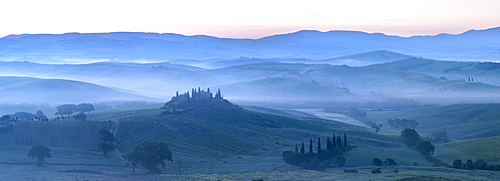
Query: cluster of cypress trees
(331, 144)
(313, 160)
(187, 100)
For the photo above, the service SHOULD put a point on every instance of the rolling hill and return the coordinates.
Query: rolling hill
(485, 72)
(461, 121)
(58, 91)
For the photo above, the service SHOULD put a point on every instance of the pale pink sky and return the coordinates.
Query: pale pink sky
(248, 18)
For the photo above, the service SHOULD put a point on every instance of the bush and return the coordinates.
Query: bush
(390, 162)
(376, 170)
(377, 162)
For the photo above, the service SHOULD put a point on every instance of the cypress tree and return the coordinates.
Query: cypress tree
(310, 145)
(296, 148)
(333, 142)
(345, 140)
(319, 145)
(302, 149)
(339, 141)
(328, 144)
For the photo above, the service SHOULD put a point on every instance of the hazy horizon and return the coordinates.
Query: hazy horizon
(256, 19)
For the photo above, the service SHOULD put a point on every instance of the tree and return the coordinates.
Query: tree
(39, 152)
(333, 142)
(302, 150)
(469, 165)
(425, 147)
(105, 135)
(106, 141)
(345, 140)
(328, 144)
(339, 141)
(377, 162)
(410, 137)
(457, 163)
(105, 147)
(480, 164)
(390, 162)
(310, 145)
(66, 109)
(149, 155)
(80, 116)
(40, 116)
(340, 161)
(84, 107)
(24, 115)
(319, 145)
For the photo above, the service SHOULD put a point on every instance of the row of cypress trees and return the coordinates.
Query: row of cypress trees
(318, 160)
(331, 144)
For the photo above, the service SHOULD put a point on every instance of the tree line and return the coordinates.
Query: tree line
(479, 164)
(318, 160)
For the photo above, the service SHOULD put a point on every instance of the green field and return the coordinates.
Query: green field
(485, 148)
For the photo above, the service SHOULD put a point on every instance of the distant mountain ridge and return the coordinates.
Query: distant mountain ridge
(136, 47)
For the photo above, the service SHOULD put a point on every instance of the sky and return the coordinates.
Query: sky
(247, 18)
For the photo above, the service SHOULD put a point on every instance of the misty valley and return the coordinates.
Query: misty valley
(308, 105)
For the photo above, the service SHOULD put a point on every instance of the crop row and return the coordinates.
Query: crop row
(73, 134)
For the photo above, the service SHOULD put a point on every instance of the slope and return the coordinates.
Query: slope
(485, 72)
(221, 137)
(57, 91)
(461, 121)
(368, 58)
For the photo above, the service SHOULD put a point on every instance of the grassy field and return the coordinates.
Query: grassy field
(461, 121)
(485, 148)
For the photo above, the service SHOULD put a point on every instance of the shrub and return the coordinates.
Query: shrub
(390, 162)
(376, 170)
(377, 162)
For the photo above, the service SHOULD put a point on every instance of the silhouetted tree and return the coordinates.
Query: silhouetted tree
(80, 116)
(469, 165)
(319, 145)
(65, 109)
(302, 149)
(457, 163)
(310, 145)
(339, 141)
(296, 148)
(149, 155)
(334, 145)
(377, 162)
(425, 147)
(105, 135)
(328, 144)
(480, 164)
(39, 152)
(105, 147)
(106, 141)
(345, 140)
(390, 162)
(85, 107)
(410, 137)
